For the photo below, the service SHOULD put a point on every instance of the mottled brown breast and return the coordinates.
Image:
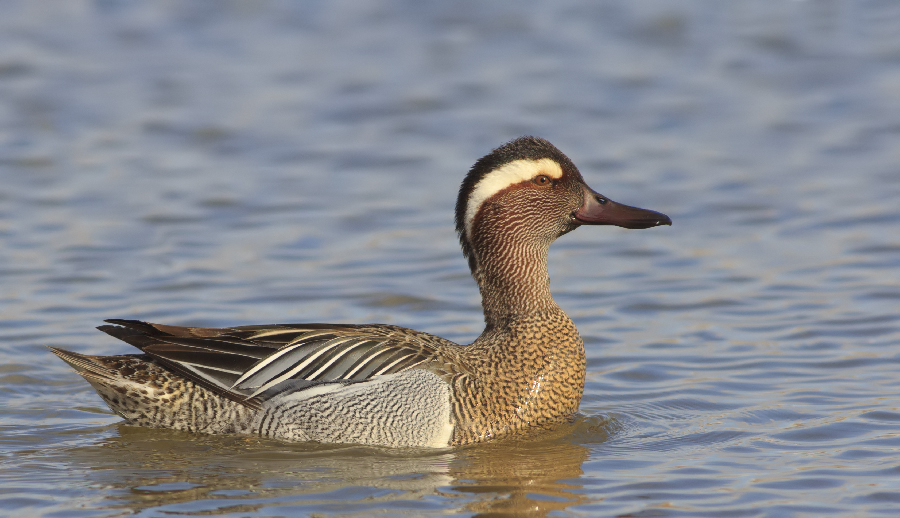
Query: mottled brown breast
(527, 374)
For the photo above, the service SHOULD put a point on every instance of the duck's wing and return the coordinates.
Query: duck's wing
(252, 363)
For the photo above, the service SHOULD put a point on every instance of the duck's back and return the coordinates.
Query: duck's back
(312, 382)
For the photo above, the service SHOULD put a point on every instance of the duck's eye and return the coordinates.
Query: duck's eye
(542, 180)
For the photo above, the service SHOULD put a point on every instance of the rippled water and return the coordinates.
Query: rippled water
(215, 163)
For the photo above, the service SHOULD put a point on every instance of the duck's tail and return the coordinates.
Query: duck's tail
(145, 394)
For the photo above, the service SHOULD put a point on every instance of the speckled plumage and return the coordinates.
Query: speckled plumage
(146, 394)
(388, 385)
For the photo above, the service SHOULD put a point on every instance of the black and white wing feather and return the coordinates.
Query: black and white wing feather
(249, 364)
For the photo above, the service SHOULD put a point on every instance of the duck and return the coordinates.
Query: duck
(385, 385)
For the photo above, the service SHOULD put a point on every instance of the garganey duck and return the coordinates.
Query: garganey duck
(382, 384)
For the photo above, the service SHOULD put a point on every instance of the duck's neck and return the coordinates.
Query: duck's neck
(514, 282)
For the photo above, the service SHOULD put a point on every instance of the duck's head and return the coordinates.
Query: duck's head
(528, 193)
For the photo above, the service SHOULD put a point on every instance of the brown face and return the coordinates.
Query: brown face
(532, 199)
(544, 199)
(528, 190)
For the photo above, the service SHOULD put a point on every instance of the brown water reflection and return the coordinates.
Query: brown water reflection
(522, 478)
(169, 471)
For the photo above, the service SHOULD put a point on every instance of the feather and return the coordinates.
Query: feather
(250, 364)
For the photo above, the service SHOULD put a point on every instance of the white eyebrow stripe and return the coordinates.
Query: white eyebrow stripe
(509, 174)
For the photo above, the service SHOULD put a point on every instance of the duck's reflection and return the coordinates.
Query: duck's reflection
(520, 478)
(140, 469)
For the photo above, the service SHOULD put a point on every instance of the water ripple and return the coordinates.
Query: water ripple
(230, 163)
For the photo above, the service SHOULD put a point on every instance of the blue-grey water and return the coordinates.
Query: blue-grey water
(227, 163)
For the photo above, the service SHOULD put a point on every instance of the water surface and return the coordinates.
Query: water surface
(237, 163)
